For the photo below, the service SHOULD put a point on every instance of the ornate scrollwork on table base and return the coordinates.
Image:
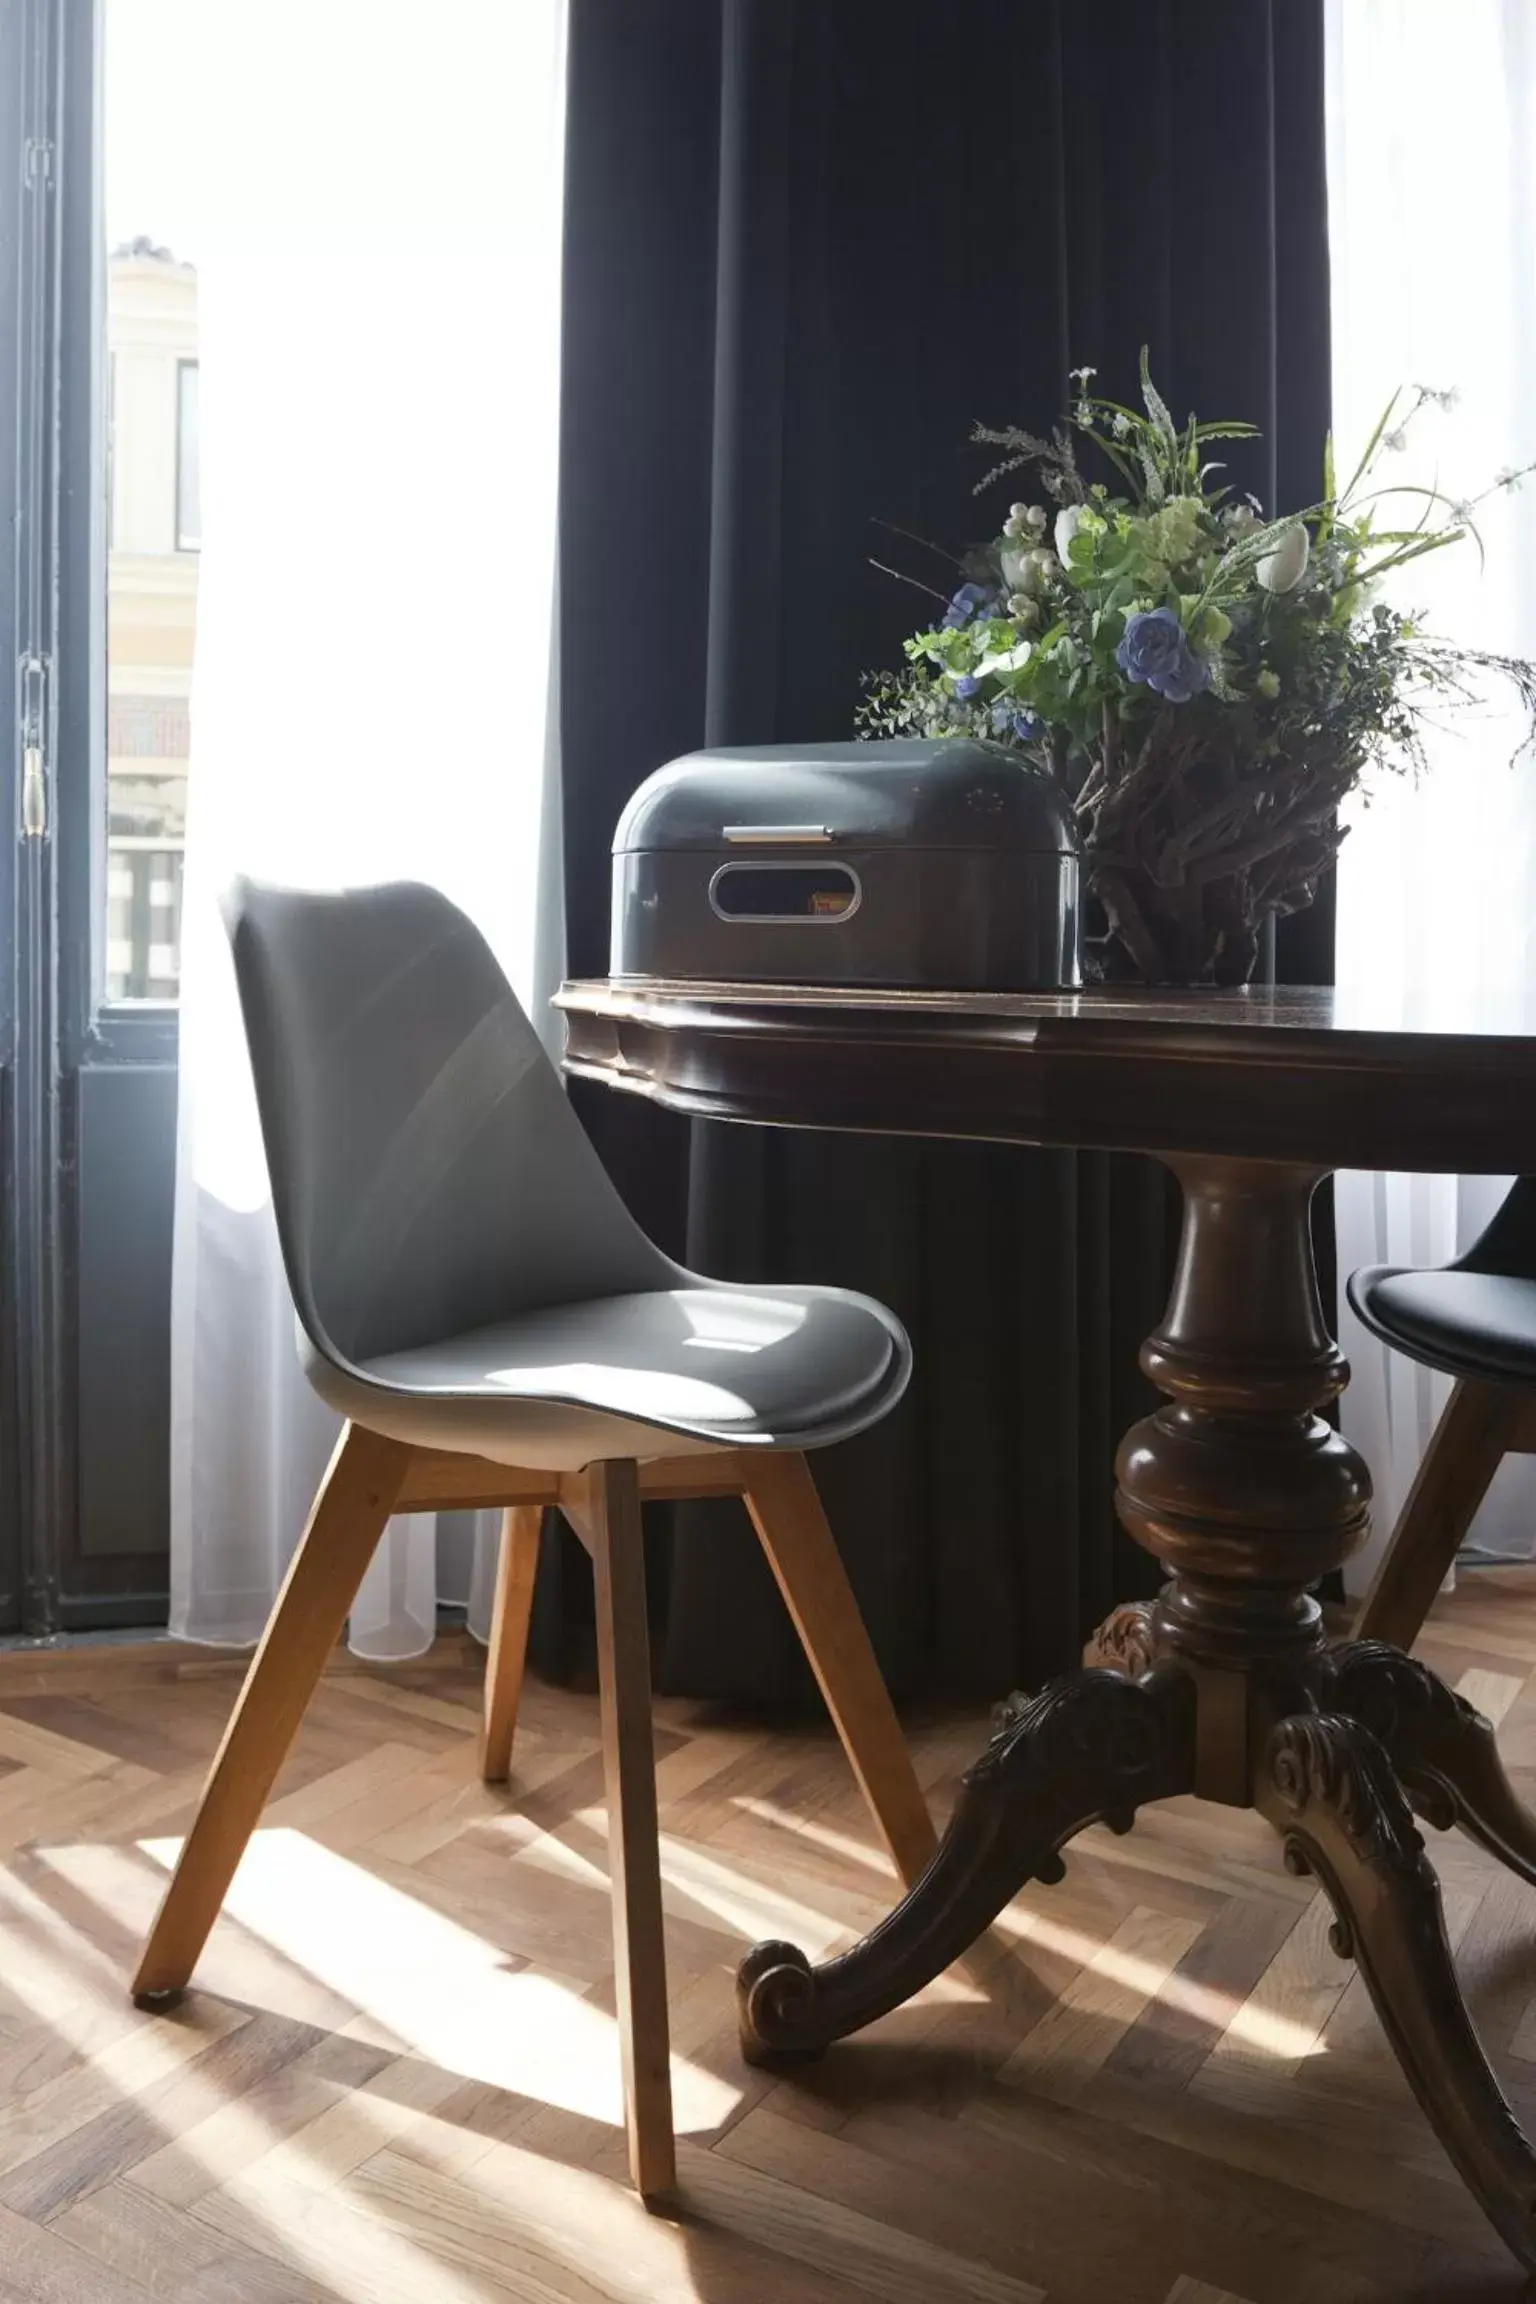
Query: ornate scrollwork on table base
(1091, 1747)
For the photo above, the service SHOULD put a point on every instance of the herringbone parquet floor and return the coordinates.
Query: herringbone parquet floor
(397, 2082)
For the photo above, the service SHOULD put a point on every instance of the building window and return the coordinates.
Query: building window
(189, 512)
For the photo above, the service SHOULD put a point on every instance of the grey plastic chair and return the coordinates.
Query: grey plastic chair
(474, 1298)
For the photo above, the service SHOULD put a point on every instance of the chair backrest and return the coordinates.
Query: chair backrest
(1507, 1242)
(428, 1174)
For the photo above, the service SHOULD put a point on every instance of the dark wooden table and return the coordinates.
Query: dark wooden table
(1224, 1686)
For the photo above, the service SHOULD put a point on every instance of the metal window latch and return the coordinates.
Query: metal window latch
(36, 161)
(34, 758)
(34, 793)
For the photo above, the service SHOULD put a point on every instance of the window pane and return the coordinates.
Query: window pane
(154, 514)
(189, 515)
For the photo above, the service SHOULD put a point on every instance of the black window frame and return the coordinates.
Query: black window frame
(87, 1088)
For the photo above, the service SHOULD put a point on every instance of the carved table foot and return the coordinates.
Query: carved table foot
(1091, 1747)
(1123, 1642)
(1328, 1787)
(1444, 1752)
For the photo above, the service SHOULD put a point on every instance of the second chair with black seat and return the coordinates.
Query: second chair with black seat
(1474, 1320)
(475, 1300)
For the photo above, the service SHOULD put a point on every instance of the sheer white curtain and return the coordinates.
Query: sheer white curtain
(379, 272)
(1432, 198)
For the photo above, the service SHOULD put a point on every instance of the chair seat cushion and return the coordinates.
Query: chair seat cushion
(1467, 1323)
(721, 1366)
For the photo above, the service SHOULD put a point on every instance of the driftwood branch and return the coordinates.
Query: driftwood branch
(1126, 922)
(1191, 843)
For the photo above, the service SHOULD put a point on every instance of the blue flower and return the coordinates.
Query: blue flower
(971, 601)
(1012, 720)
(1154, 650)
(966, 686)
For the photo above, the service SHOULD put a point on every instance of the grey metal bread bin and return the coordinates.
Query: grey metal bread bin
(948, 866)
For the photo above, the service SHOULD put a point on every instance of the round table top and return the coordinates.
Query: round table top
(1364, 1080)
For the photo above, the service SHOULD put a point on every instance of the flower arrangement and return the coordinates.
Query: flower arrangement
(1206, 684)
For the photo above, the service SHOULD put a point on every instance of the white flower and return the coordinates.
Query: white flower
(1024, 569)
(1239, 518)
(1011, 659)
(1396, 439)
(1024, 611)
(1121, 425)
(1080, 376)
(1035, 518)
(1283, 568)
(1068, 521)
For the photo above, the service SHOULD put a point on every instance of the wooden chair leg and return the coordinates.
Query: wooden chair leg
(1480, 1423)
(346, 1520)
(516, 1570)
(787, 1514)
(609, 1510)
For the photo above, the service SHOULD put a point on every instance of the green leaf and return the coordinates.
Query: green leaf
(1118, 408)
(1371, 446)
(1412, 488)
(1157, 406)
(1435, 543)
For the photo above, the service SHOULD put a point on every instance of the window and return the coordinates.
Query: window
(189, 516)
(153, 233)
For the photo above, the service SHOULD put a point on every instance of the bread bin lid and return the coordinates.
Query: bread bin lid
(911, 792)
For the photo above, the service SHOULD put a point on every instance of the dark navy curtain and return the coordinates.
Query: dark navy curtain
(808, 242)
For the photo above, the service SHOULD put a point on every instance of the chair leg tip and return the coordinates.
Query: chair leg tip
(159, 1999)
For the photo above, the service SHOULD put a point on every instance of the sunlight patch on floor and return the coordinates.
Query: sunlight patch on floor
(1257, 2027)
(839, 1844)
(132, 2052)
(754, 1911)
(442, 1991)
(748, 1907)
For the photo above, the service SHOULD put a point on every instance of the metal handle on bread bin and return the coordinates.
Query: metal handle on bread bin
(770, 834)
